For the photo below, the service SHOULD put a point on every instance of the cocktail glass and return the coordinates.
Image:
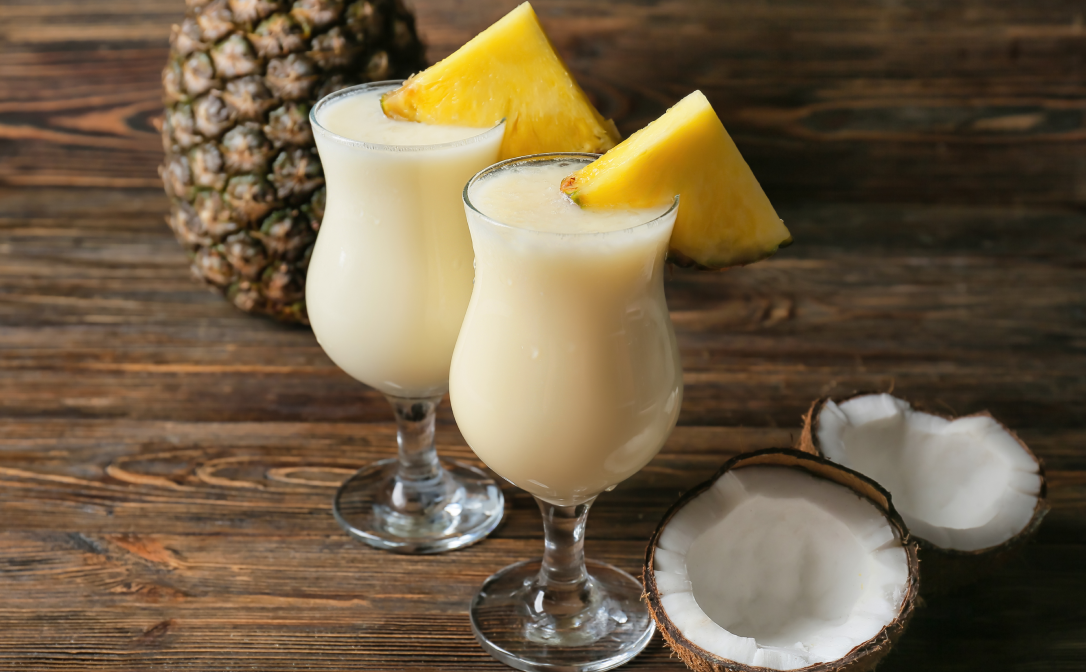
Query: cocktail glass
(387, 287)
(566, 380)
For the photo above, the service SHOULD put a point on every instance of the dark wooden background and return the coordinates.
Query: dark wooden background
(167, 463)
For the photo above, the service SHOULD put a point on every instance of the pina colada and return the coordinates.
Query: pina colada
(387, 288)
(390, 276)
(566, 378)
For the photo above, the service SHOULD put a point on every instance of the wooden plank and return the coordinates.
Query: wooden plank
(318, 602)
(101, 320)
(114, 476)
(962, 101)
(200, 545)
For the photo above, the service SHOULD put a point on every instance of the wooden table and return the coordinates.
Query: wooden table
(167, 463)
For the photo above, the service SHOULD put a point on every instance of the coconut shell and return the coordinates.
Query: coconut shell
(862, 658)
(945, 569)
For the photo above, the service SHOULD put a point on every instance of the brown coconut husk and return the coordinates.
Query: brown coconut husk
(862, 658)
(945, 570)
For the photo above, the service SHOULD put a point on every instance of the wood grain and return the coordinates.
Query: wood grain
(167, 463)
(970, 100)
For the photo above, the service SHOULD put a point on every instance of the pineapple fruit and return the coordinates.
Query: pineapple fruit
(724, 218)
(243, 177)
(510, 71)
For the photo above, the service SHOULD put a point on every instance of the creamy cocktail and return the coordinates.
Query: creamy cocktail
(390, 276)
(387, 287)
(565, 380)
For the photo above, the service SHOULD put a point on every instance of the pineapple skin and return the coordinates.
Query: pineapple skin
(241, 168)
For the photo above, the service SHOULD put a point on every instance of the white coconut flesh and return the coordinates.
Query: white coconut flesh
(965, 484)
(772, 567)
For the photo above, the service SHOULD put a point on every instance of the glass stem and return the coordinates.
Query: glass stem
(563, 579)
(419, 467)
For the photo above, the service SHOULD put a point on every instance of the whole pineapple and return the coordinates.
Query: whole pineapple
(241, 170)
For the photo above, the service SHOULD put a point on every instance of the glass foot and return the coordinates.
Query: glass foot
(518, 623)
(457, 508)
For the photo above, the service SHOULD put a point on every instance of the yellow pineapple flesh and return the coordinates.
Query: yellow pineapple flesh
(510, 71)
(724, 217)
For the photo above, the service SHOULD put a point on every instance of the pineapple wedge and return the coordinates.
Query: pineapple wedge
(509, 70)
(724, 219)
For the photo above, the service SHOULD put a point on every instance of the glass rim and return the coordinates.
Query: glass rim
(551, 157)
(484, 133)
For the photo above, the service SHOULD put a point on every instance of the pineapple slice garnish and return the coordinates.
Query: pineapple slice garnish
(510, 71)
(724, 218)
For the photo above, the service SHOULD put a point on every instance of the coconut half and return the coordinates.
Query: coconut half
(782, 561)
(968, 489)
